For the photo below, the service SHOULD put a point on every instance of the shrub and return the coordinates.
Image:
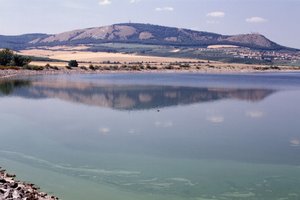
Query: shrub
(92, 67)
(142, 66)
(83, 68)
(20, 61)
(9, 67)
(73, 63)
(106, 67)
(54, 67)
(169, 67)
(149, 67)
(185, 65)
(275, 67)
(47, 66)
(136, 68)
(114, 67)
(6, 57)
(33, 67)
(124, 67)
(106, 62)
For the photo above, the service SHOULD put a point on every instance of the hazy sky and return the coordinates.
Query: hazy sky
(277, 19)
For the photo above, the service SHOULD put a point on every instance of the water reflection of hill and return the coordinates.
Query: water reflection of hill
(129, 97)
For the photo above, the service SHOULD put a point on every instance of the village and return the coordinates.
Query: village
(290, 56)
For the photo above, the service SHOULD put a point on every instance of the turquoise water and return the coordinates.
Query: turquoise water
(154, 136)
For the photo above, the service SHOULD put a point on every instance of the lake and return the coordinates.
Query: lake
(154, 136)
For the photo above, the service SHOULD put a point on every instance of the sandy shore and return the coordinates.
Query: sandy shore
(13, 189)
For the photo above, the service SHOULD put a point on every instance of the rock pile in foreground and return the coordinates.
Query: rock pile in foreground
(10, 189)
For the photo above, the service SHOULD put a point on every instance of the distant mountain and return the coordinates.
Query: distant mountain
(140, 34)
(19, 41)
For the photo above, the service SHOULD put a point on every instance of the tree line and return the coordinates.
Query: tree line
(9, 58)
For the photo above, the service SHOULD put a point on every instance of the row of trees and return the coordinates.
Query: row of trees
(9, 58)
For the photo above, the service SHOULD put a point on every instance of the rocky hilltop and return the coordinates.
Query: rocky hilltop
(141, 34)
(154, 34)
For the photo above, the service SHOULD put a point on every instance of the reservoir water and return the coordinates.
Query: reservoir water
(154, 136)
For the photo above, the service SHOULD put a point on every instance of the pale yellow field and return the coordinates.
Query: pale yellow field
(57, 64)
(221, 46)
(85, 56)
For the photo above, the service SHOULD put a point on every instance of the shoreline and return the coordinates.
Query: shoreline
(10, 73)
(14, 189)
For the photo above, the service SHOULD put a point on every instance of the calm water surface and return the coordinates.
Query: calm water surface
(154, 136)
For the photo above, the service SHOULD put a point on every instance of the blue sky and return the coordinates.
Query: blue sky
(276, 19)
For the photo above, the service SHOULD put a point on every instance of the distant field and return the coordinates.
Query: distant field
(221, 46)
(60, 55)
(57, 64)
(124, 52)
(85, 56)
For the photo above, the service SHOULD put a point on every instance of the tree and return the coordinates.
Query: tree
(73, 63)
(6, 57)
(20, 61)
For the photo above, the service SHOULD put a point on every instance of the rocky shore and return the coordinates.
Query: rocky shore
(11, 189)
(12, 73)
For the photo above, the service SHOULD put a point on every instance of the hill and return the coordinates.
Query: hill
(19, 41)
(134, 33)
